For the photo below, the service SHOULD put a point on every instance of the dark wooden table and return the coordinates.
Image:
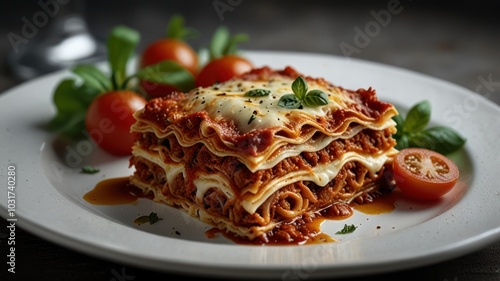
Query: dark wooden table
(457, 42)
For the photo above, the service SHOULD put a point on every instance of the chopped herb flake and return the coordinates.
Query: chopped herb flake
(257, 93)
(347, 229)
(251, 119)
(87, 169)
(151, 218)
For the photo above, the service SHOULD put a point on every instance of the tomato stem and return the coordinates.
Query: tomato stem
(177, 30)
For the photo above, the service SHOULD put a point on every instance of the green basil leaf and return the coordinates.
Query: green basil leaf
(402, 142)
(71, 102)
(69, 125)
(153, 218)
(232, 45)
(93, 77)
(219, 42)
(121, 44)
(299, 87)
(418, 117)
(175, 27)
(69, 97)
(177, 30)
(257, 93)
(315, 98)
(399, 125)
(65, 97)
(170, 73)
(290, 101)
(222, 43)
(440, 139)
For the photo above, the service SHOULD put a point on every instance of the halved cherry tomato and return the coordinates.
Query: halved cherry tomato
(222, 69)
(108, 120)
(167, 49)
(424, 174)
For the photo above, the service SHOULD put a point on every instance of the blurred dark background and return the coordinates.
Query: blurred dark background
(458, 41)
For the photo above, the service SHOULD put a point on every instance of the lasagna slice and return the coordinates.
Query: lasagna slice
(248, 166)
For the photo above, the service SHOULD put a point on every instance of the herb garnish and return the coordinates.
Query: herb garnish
(151, 218)
(87, 169)
(347, 229)
(302, 97)
(74, 95)
(412, 131)
(257, 93)
(224, 43)
(251, 119)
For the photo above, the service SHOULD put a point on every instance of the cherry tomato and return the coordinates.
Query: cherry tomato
(108, 120)
(222, 69)
(168, 49)
(424, 174)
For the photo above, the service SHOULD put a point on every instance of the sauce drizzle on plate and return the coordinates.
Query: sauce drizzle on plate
(113, 191)
(117, 191)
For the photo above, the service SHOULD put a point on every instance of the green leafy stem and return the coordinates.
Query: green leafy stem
(72, 97)
(412, 131)
(224, 43)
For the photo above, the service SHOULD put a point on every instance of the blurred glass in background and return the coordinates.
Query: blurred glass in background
(54, 37)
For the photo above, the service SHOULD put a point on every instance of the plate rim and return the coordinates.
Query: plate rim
(473, 243)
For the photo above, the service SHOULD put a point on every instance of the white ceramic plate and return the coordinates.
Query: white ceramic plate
(49, 192)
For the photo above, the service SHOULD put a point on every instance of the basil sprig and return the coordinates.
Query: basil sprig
(73, 96)
(121, 46)
(176, 29)
(412, 131)
(224, 43)
(302, 97)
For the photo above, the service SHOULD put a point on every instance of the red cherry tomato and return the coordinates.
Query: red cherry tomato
(108, 120)
(222, 69)
(168, 49)
(424, 174)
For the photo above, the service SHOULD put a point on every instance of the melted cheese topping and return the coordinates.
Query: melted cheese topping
(228, 101)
